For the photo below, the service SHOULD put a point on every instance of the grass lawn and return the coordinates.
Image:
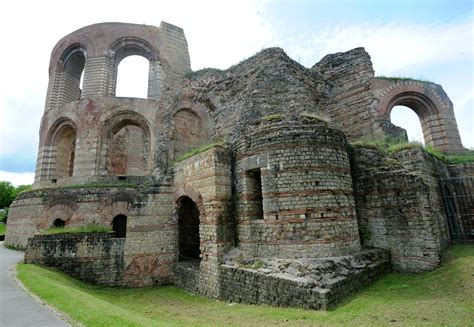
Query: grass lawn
(3, 227)
(441, 297)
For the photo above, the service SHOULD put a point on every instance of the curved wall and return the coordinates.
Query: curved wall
(307, 205)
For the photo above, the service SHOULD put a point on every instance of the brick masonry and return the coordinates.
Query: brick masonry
(283, 185)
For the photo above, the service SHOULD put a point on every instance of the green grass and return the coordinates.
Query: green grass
(3, 228)
(462, 158)
(314, 117)
(91, 228)
(403, 78)
(393, 145)
(274, 117)
(442, 297)
(197, 150)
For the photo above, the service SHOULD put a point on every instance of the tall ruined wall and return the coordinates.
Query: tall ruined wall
(149, 248)
(267, 83)
(96, 258)
(399, 208)
(299, 174)
(205, 178)
(349, 101)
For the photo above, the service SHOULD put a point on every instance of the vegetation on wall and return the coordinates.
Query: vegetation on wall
(273, 117)
(402, 78)
(91, 228)
(197, 150)
(394, 145)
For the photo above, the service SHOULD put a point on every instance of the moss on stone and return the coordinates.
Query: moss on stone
(273, 117)
(197, 150)
(91, 228)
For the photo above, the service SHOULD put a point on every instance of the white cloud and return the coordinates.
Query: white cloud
(219, 34)
(17, 178)
(391, 46)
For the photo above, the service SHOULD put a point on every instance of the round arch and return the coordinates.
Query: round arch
(61, 148)
(124, 135)
(134, 46)
(432, 106)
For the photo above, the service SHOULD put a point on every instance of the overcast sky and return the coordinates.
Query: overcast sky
(427, 39)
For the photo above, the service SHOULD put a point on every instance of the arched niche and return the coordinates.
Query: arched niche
(189, 131)
(71, 67)
(125, 146)
(60, 149)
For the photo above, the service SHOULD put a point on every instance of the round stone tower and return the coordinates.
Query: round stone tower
(294, 189)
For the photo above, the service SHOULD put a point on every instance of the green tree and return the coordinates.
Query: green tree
(7, 194)
(21, 188)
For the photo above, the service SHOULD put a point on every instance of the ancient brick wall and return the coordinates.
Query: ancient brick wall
(431, 104)
(337, 278)
(95, 257)
(347, 79)
(306, 190)
(205, 178)
(149, 248)
(398, 208)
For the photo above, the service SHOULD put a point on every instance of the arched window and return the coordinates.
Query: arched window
(188, 230)
(74, 61)
(59, 223)
(64, 151)
(119, 226)
(406, 118)
(132, 77)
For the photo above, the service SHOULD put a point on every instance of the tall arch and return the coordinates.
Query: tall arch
(125, 145)
(60, 150)
(71, 67)
(132, 77)
(433, 108)
(133, 46)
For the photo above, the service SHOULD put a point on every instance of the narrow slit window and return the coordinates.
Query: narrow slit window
(255, 196)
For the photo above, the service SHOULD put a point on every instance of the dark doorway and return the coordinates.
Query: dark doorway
(119, 225)
(59, 223)
(451, 214)
(458, 200)
(254, 190)
(188, 230)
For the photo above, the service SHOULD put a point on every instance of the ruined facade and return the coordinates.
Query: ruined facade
(273, 206)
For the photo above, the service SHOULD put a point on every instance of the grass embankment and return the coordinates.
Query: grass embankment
(91, 228)
(441, 297)
(390, 146)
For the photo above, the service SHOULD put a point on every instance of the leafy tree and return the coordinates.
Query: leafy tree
(21, 188)
(7, 194)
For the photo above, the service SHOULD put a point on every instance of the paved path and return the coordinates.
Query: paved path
(17, 308)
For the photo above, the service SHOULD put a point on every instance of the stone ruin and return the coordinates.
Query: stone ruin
(245, 184)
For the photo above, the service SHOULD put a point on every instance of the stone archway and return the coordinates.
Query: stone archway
(432, 106)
